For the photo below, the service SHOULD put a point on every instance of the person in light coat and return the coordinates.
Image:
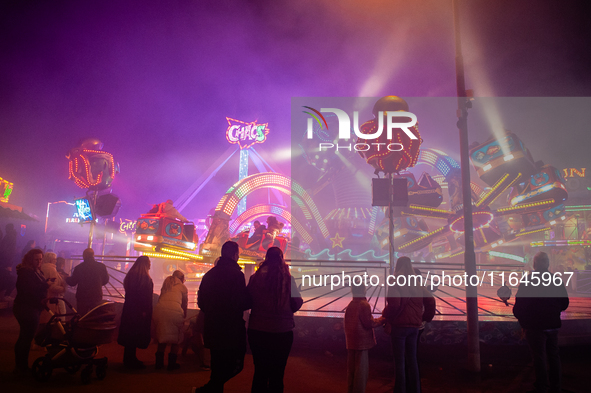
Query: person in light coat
(57, 285)
(169, 317)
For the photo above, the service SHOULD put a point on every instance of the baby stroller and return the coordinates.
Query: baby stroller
(72, 341)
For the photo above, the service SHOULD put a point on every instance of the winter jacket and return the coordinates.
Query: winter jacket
(90, 276)
(265, 316)
(169, 315)
(136, 317)
(359, 324)
(539, 306)
(58, 286)
(407, 305)
(223, 298)
(31, 289)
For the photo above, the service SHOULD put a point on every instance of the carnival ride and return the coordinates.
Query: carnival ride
(423, 229)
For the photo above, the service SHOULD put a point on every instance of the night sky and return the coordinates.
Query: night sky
(154, 81)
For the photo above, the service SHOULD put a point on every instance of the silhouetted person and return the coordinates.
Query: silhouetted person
(136, 316)
(257, 235)
(168, 210)
(90, 276)
(407, 303)
(31, 289)
(7, 256)
(538, 308)
(223, 298)
(275, 297)
(359, 338)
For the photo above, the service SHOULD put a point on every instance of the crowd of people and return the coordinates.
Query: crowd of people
(272, 297)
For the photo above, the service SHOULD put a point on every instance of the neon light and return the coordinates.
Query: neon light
(560, 243)
(85, 180)
(423, 237)
(164, 256)
(5, 190)
(493, 189)
(246, 134)
(430, 209)
(507, 256)
(525, 206)
(488, 221)
(534, 231)
(181, 253)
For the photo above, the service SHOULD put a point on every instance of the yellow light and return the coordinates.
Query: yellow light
(530, 232)
(422, 237)
(246, 262)
(164, 256)
(430, 209)
(526, 205)
(181, 253)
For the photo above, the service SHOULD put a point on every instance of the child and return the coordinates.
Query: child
(359, 337)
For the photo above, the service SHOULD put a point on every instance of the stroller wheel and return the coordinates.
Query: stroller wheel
(73, 368)
(86, 375)
(42, 369)
(101, 372)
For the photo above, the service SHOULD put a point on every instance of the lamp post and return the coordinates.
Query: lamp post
(469, 255)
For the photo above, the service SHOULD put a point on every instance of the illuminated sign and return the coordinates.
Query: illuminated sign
(74, 219)
(5, 190)
(84, 210)
(570, 172)
(246, 134)
(127, 226)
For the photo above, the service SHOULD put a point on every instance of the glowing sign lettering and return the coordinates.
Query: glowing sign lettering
(127, 226)
(570, 172)
(246, 134)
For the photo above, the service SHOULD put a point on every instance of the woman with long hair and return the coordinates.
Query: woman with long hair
(275, 297)
(136, 317)
(31, 289)
(407, 302)
(169, 317)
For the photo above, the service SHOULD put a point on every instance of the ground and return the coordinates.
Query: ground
(505, 369)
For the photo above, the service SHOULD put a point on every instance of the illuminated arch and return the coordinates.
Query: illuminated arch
(276, 181)
(259, 211)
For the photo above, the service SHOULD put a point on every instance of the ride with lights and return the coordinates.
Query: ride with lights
(536, 193)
